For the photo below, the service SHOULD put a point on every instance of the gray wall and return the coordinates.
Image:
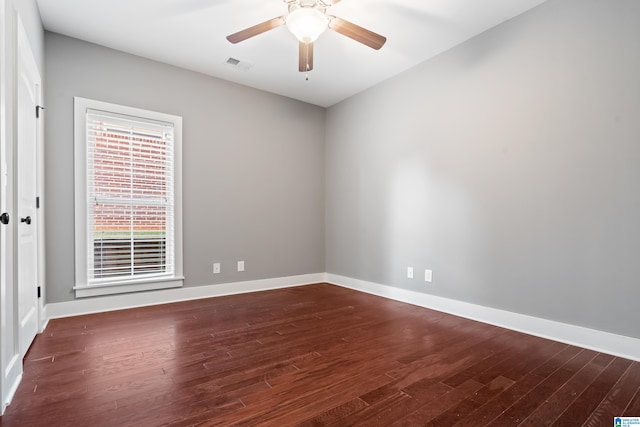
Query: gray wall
(253, 165)
(510, 165)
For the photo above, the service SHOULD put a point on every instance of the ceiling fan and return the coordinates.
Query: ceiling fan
(306, 20)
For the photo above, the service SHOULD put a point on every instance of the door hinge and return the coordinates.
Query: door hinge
(37, 202)
(38, 108)
(39, 292)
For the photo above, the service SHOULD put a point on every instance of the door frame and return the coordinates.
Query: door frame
(11, 368)
(24, 50)
(10, 358)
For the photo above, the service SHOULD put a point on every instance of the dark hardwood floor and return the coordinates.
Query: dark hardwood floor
(313, 355)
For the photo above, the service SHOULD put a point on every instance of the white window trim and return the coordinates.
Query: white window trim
(82, 288)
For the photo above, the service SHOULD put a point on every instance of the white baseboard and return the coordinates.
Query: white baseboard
(44, 320)
(617, 345)
(12, 378)
(141, 299)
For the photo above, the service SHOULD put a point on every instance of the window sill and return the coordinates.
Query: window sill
(126, 287)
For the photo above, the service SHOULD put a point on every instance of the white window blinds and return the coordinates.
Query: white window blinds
(130, 198)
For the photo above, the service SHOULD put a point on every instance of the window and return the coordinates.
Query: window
(128, 199)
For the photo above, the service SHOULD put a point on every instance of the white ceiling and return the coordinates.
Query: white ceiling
(191, 34)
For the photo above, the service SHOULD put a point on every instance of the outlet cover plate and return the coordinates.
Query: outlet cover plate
(428, 275)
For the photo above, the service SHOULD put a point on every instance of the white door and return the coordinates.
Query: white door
(27, 242)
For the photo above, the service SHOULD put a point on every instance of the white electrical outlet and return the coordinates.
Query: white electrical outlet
(240, 265)
(410, 272)
(216, 268)
(428, 276)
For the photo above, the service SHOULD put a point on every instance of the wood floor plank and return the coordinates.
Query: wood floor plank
(561, 370)
(633, 408)
(589, 400)
(496, 406)
(389, 403)
(469, 349)
(380, 413)
(336, 414)
(312, 355)
(557, 403)
(426, 413)
(613, 403)
(471, 403)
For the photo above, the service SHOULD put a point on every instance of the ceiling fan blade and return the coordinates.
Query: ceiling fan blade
(357, 33)
(256, 29)
(305, 62)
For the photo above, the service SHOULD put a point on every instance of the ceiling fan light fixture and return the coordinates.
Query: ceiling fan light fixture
(307, 23)
(306, 20)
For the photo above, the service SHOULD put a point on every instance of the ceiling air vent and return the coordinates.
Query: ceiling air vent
(239, 64)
